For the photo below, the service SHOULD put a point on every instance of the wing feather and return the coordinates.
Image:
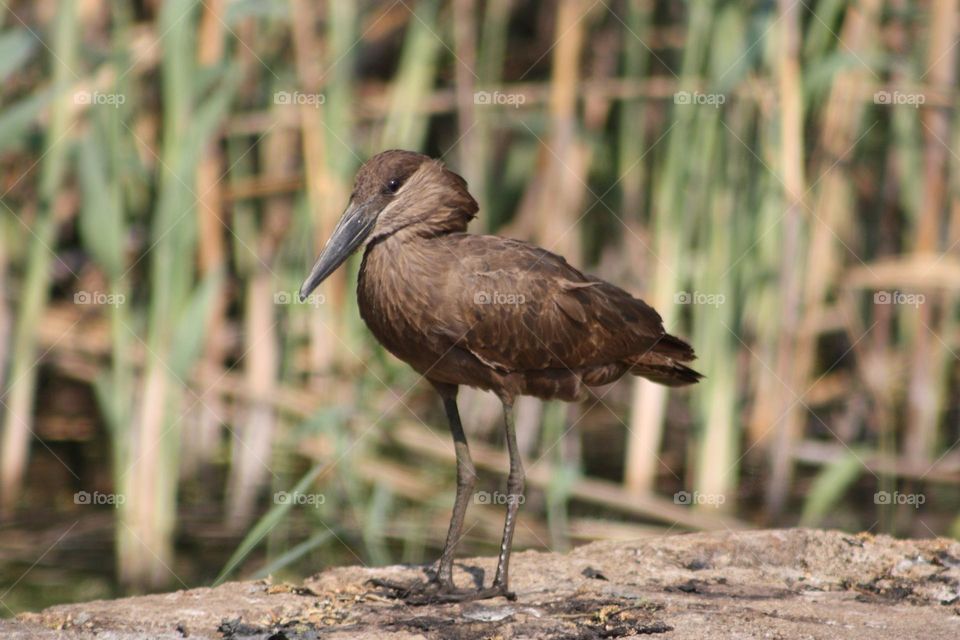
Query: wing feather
(518, 307)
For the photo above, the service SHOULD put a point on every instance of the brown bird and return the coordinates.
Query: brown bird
(484, 311)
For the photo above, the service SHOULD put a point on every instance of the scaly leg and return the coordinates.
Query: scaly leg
(466, 482)
(515, 485)
(441, 588)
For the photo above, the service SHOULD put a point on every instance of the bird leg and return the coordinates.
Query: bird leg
(441, 588)
(515, 486)
(466, 482)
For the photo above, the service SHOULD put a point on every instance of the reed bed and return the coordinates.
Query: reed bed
(778, 179)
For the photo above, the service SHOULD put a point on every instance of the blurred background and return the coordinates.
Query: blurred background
(779, 179)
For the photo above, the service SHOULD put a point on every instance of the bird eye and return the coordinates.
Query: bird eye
(393, 185)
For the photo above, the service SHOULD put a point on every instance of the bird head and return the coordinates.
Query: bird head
(394, 191)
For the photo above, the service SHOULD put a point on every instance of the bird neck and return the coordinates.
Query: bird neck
(406, 245)
(428, 222)
(394, 277)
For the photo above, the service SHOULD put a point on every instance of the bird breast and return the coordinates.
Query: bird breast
(395, 294)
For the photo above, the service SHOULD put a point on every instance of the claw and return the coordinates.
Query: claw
(420, 593)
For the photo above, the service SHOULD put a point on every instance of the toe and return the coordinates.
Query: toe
(436, 591)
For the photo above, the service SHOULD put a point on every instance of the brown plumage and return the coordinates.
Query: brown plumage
(487, 312)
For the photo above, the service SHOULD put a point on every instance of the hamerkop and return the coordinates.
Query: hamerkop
(485, 311)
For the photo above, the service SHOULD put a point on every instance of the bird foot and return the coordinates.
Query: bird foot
(420, 592)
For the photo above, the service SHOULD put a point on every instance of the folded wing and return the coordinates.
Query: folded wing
(521, 308)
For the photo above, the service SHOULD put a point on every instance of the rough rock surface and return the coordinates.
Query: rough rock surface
(755, 584)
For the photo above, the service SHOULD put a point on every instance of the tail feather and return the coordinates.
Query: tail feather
(670, 375)
(674, 347)
(662, 364)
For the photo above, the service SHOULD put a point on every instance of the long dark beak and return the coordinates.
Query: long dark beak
(351, 231)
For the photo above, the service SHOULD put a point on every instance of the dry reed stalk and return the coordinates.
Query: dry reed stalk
(593, 529)
(18, 397)
(563, 155)
(945, 471)
(632, 172)
(144, 542)
(200, 447)
(768, 403)
(794, 187)
(645, 436)
(323, 195)
(419, 62)
(470, 161)
(830, 220)
(929, 359)
(949, 327)
(177, 309)
(669, 232)
(876, 355)
(5, 313)
(253, 436)
(257, 187)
